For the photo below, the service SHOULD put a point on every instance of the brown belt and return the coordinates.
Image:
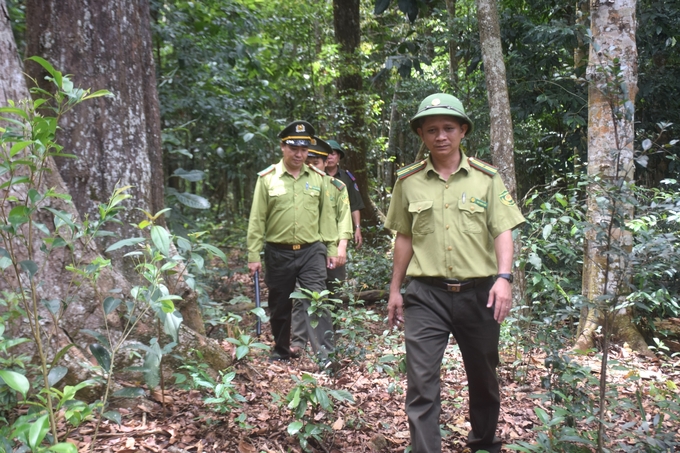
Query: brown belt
(455, 286)
(290, 246)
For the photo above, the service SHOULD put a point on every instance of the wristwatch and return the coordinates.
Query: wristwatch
(508, 277)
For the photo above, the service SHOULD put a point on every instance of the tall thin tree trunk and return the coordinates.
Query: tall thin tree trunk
(502, 138)
(347, 25)
(613, 51)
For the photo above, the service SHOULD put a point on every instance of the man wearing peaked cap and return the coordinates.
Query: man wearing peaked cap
(318, 153)
(293, 220)
(453, 218)
(356, 203)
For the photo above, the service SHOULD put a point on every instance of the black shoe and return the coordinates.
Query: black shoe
(277, 359)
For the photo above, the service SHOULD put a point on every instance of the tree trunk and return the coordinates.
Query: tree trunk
(82, 310)
(453, 44)
(502, 138)
(107, 45)
(612, 64)
(347, 25)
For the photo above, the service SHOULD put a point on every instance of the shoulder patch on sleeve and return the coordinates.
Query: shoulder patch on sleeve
(337, 183)
(267, 170)
(482, 166)
(313, 168)
(412, 169)
(351, 175)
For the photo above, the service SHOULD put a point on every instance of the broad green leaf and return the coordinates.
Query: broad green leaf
(15, 111)
(193, 175)
(29, 266)
(61, 218)
(98, 94)
(161, 239)
(215, 251)
(49, 68)
(114, 416)
(294, 427)
(102, 355)
(124, 243)
(547, 229)
(171, 325)
(63, 447)
(295, 402)
(241, 351)
(110, 304)
(56, 374)
(5, 262)
(37, 432)
(17, 147)
(129, 392)
(61, 353)
(19, 215)
(16, 381)
(52, 305)
(193, 201)
(15, 180)
(97, 335)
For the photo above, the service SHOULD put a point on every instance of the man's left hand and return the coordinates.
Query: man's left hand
(500, 297)
(358, 240)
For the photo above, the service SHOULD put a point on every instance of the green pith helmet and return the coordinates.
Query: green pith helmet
(336, 146)
(319, 148)
(441, 104)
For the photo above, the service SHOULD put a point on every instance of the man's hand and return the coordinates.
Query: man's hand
(254, 267)
(331, 262)
(500, 297)
(395, 309)
(358, 240)
(342, 253)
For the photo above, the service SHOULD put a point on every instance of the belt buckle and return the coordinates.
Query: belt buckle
(296, 246)
(453, 287)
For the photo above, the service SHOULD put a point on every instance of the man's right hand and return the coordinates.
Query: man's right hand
(395, 311)
(254, 267)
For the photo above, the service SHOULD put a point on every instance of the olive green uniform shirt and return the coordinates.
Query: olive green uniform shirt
(339, 198)
(452, 223)
(286, 210)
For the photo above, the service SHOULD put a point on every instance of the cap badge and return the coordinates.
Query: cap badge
(436, 101)
(299, 128)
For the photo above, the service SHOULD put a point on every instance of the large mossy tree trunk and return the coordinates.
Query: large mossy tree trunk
(105, 45)
(613, 54)
(82, 310)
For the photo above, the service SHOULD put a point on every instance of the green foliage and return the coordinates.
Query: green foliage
(307, 401)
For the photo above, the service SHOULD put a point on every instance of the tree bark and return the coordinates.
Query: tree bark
(347, 26)
(107, 45)
(502, 138)
(82, 310)
(610, 158)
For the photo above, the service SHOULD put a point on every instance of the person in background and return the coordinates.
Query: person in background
(291, 217)
(318, 153)
(356, 204)
(453, 218)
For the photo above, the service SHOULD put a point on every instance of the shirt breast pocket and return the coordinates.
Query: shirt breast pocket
(311, 200)
(423, 217)
(472, 217)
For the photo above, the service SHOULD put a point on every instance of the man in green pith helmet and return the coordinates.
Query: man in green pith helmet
(293, 220)
(321, 345)
(454, 219)
(356, 204)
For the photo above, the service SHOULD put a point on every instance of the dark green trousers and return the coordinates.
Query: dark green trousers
(282, 269)
(300, 329)
(430, 315)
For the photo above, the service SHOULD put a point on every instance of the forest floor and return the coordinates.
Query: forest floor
(375, 421)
